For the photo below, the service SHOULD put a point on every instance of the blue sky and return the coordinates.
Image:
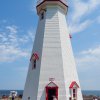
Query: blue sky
(18, 22)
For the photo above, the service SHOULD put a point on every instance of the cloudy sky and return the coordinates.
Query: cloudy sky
(18, 22)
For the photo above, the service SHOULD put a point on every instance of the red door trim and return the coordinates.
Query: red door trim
(48, 87)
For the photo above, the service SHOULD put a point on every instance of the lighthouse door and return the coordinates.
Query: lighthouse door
(51, 92)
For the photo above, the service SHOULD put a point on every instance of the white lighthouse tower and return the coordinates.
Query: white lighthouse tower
(52, 73)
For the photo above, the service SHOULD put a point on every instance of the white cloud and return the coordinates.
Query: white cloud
(80, 27)
(93, 4)
(12, 29)
(11, 53)
(80, 10)
(88, 62)
(11, 44)
(89, 58)
(95, 51)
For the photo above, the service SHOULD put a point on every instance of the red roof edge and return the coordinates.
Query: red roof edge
(36, 56)
(72, 84)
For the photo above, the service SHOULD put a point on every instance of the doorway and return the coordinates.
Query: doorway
(51, 93)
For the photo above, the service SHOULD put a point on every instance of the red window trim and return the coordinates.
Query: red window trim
(72, 90)
(72, 84)
(36, 56)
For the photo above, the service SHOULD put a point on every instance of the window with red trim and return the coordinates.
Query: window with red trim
(34, 59)
(34, 64)
(73, 90)
(75, 93)
(51, 91)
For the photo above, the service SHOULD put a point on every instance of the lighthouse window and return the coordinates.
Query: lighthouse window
(73, 90)
(42, 16)
(70, 98)
(28, 98)
(33, 60)
(74, 94)
(34, 64)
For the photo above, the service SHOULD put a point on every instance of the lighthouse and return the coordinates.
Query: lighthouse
(52, 73)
